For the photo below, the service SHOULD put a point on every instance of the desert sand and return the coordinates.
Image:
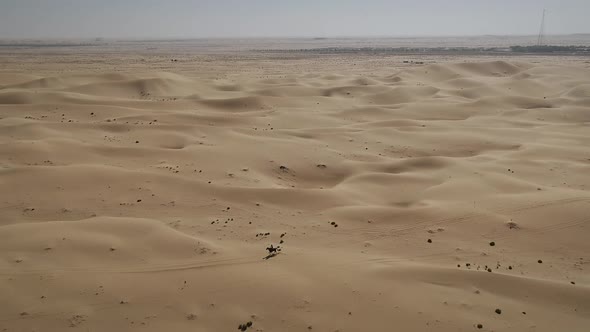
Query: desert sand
(139, 192)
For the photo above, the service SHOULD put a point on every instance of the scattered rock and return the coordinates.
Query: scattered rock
(498, 311)
(245, 326)
(492, 244)
(513, 225)
(429, 241)
(480, 326)
(540, 261)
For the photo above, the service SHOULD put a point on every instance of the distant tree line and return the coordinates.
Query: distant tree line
(550, 49)
(546, 49)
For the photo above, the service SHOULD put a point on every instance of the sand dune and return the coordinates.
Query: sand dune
(144, 199)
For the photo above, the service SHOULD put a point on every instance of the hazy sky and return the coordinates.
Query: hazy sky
(317, 18)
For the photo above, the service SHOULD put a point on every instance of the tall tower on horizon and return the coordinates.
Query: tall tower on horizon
(541, 38)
